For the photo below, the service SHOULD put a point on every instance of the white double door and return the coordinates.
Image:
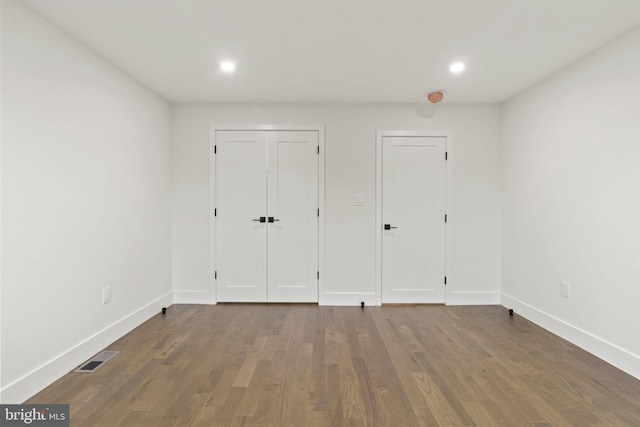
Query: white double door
(266, 216)
(413, 219)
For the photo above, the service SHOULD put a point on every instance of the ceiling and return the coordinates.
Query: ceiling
(341, 51)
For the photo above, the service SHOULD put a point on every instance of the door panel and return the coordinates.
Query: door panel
(293, 201)
(270, 174)
(241, 193)
(413, 200)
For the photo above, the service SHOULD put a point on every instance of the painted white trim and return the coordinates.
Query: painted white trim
(473, 298)
(321, 206)
(215, 127)
(193, 297)
(449, 205)
(378, 223)
(212, 197)
(605, 350)
(45, 374)
(349, 298)
(448, 289)
(213, 289)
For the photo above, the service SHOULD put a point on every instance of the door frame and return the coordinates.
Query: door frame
(380, 134)
(212, 196)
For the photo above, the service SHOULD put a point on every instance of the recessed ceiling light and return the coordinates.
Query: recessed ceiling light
(456, 67)
(227, 66)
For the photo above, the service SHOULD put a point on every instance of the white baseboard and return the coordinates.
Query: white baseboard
(473, 298)
(192, 297)
(454, 298)
(42, 376)
(609, 352)
(347, 298)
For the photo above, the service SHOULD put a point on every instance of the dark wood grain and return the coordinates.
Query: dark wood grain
(304, 365)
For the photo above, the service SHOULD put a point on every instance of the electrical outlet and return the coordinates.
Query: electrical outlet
(565, 289)
(106, 295)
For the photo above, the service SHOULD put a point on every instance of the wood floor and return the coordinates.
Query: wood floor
(304, 365)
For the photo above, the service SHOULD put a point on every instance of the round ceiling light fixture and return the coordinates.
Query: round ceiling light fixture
(457, 67)
(227, 66)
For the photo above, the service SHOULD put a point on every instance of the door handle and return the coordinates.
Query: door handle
(272, 219)
(388, 227)
(261, 219)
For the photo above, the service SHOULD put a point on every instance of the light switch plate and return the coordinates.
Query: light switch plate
(565, 289)
(358, 199)
(106, 295)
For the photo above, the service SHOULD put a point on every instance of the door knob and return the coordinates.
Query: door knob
(388, 227)
(261, 219)
(272, 219)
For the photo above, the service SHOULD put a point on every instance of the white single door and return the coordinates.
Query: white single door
(241, 204)
(413, 219)
(266, 222)
(292, 206)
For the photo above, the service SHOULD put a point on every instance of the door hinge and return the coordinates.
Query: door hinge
(445, 217)
(318, 275)
(318, 149)
(215, 274)
(215, 212)
(446, 155)
(318, 211)
(215, 149)
(445, 280)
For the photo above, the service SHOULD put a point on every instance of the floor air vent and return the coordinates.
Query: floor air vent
(97, 361)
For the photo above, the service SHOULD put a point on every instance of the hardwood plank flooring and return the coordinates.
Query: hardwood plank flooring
(305, 365)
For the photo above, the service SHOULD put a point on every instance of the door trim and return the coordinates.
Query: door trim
(212, 196)
(380, 134)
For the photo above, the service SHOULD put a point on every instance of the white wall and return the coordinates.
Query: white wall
(86, 202)
(1, 207)
(350, 137)
(571, 203)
